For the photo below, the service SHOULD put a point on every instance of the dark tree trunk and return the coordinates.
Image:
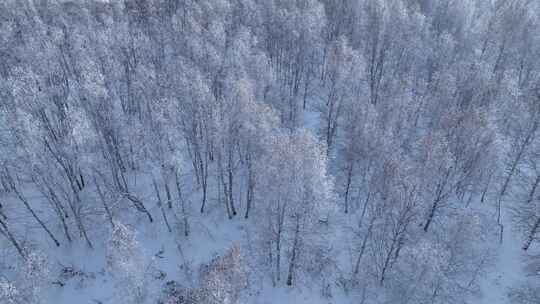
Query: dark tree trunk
(104, 202)
(182, 204)
(5, 231)
(292, 265)
(160, 205)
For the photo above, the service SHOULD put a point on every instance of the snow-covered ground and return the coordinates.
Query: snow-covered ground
(175, 257)
(507, 269)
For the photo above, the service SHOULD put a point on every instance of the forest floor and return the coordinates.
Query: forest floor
(175, 257)
(172, 256)
(507, 269)
(178, 258)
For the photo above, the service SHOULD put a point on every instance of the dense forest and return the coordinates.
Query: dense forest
(203, 151)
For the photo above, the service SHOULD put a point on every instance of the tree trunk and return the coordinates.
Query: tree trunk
(34, 215)
(364, 209)
(281, 217)
(437, 201)
(204, 182)
(62, 214)
(223, 184)
(139, 205)
(182, 204)
(250, 187)
(431, 215)
(230, 190)
(348, 186)
(483, 198)
(230, 178)
(160, 205)
(532, 234)
(54, 201)
(5, 231)
(387, 263)
(533, 190)
(104, 202)
(78, 220)
(168, 194)
(292, 264)
(363, 247)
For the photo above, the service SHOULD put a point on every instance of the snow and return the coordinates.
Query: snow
(179, 257)
(508, 267)
(211, 235)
